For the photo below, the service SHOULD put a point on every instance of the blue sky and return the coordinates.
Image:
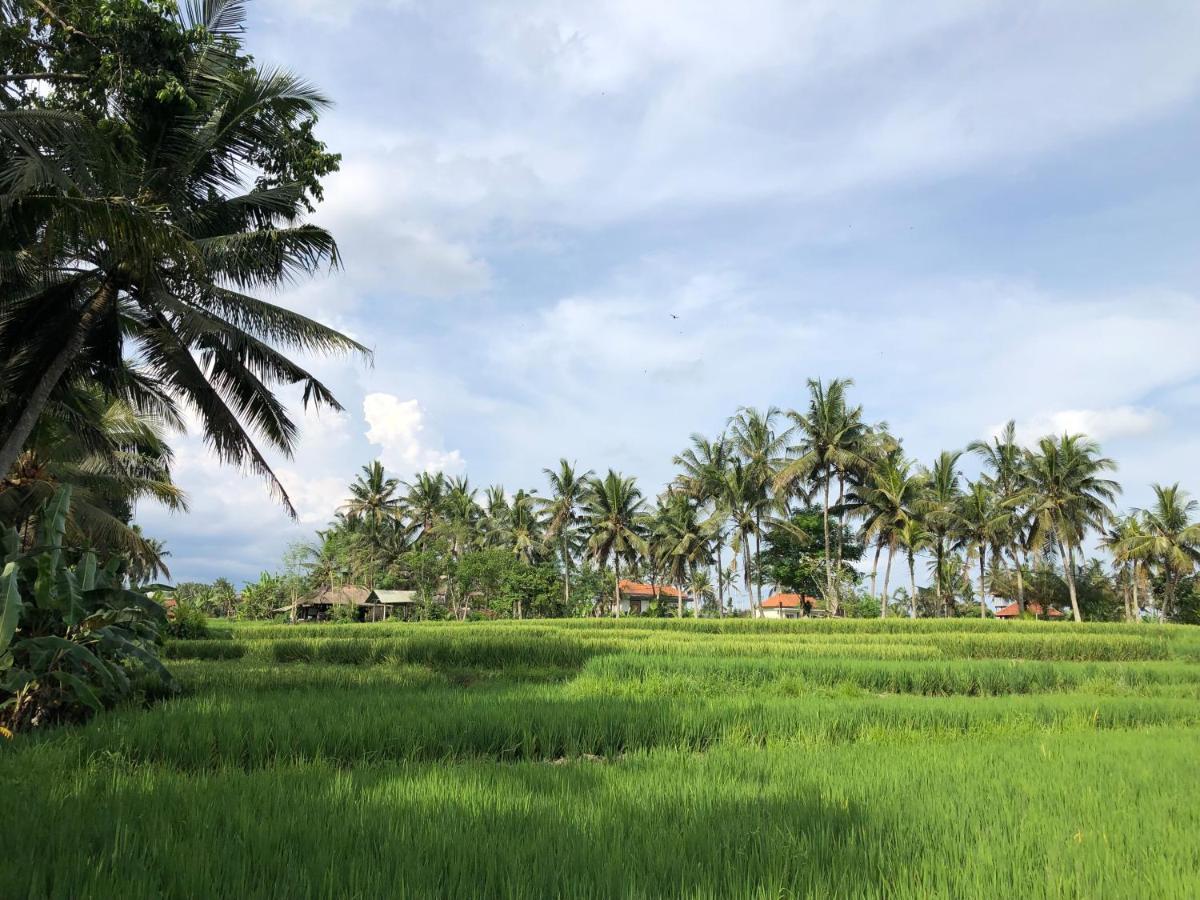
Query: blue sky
(977, 210)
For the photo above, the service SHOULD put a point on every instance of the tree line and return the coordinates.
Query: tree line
(819, 501)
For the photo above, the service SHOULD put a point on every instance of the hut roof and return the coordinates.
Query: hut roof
(1013, 610)
(397, 596)
(346, 595)
(637, 589)
(788, 601)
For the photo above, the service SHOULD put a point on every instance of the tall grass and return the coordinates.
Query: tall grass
(638, 758)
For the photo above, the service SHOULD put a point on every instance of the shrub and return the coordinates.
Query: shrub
(186, 622)
(73, 639)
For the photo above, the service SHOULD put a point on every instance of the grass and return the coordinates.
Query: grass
(638, 758)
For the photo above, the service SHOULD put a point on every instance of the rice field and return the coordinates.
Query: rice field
(639, 758)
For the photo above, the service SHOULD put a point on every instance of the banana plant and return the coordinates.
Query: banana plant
(73, 639)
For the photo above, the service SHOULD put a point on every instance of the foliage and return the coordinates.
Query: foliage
(186, 621)
(73, 639)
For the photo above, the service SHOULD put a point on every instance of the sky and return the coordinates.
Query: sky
(588, 230)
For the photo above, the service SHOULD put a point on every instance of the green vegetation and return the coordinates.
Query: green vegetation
(644, 757)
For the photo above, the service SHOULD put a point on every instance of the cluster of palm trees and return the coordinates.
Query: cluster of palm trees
(1031, 508)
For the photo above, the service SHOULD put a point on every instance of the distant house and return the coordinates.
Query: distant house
(319, 606)
(637, 598)
(786, 606)
(397, 604)
(1013, 610)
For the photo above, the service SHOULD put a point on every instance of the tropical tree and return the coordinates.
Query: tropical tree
(830, 433)
(939, 513)
(1125, 541)
(568, 489)
(915, 538)
(678, 539)
(888, 498)
(524, 531)
(1004, 470)
(705, 466)
(132, 230)
(612, 518)
(981, 523)
(112, 456)
(374, 498)
(1169, 537)
(424, 503)
(760, 446)
(1068, 497)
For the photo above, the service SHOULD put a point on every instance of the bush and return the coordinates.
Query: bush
(186, 622)
(73, 639)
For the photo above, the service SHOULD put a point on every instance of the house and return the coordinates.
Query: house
(397, 604)
(786, 606)
(318, 607)
(638, 598)
(1013, 610)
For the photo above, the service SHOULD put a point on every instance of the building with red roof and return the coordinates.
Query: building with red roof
(786, 606)
(637, 597)
(1013, 610)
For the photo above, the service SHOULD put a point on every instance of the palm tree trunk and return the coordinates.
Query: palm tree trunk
(1020, 570)
(1068, 554)
(23, 426)
(757, 562)
(746, 575)
(616, 587)
(912, 580)
(982, 596)
(1135, 609)
(887, 577)
(840, 533)
(829, 598)
(566, 558)
(875, 565)
(720, 584)
(679, 600)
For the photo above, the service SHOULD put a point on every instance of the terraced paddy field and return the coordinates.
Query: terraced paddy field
(638, 758)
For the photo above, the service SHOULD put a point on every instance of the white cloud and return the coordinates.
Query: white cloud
(1098, 424)
(398, 428)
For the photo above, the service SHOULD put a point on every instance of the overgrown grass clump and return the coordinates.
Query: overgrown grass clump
(632, 758)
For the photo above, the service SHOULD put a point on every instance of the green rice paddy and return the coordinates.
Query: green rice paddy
(639, 758)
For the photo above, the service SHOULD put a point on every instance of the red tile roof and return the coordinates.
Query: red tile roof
(1013, 610)
(637, 589)
(788, 601)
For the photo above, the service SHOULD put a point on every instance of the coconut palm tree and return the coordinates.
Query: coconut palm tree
(741, 497)
(705, 466)
(1169, 537)
(1124, 540)
(940, 515)
(112, 455)
(612, 516)
(830, 433)
(981, 523)
(136, 238)
(424, 503)
(915, 538)
(568, 487)
(760, 445)
(678, 539)
(495, 515)
(460, 515)
(524, 531)
(1004, 469)
(888, 497)
(1068, 497)
(374, 498)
